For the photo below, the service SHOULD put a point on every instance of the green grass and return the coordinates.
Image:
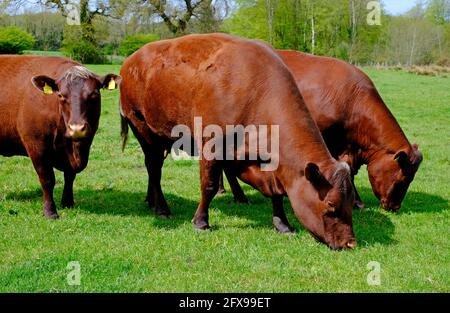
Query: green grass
(112, 59)
(44, 53)
(121, 246)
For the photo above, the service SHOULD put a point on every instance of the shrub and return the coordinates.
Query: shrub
(132, 43)
(13, 40)
(80, 49)
(444, 61)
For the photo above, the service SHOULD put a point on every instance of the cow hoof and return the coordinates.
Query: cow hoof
(359, 204)
(241, 200)
(201, 226)
(67, 204)
(221, 191)
(163, 213)
(281, 227)
(51, 215)
(164, 216)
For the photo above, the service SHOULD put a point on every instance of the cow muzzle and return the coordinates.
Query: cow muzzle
(77, 131)
(390, 206)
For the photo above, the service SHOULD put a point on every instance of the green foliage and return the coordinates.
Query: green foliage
(13, 40)
(420, 36)
(46, 28)
(250, 21)
(438, 11)
(132, 43)
(122, 247)
(81, 47)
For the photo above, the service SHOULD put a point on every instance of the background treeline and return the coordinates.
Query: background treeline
(337, 28)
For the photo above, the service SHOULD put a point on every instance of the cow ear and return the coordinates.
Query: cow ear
(402, 158)
(110, 81)
(313, 174)
(45, 84)
(418, 157)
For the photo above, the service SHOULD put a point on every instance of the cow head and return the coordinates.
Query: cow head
(391, 174)
(325, 203)
(78, 92)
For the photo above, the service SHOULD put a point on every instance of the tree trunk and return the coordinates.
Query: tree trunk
(305, 26)
(313, 34)
(353, 29)
(270, 20)
(86, 22)
(413, 46)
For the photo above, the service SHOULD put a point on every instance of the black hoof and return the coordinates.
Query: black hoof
(164, 216)
(281, 227)
(51, 215)
(221, 191)
(359, 204)
(67, 204)
(201, 226)
(241, 200)
(163, 213)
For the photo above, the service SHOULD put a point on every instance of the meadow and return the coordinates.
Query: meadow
(122, 247)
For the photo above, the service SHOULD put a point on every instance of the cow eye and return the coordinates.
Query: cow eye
(61, 97)
(94, 95)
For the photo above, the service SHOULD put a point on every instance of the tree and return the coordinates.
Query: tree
(249, 20)
(80, 41)
(438, 11)
(13, 40)
(313, 29)
(132, 43)
(177, 14)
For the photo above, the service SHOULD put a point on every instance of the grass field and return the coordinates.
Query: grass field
(121, 246)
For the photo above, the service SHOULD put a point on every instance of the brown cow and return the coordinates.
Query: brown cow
(355, 124)
(49, 111)
(220, 78)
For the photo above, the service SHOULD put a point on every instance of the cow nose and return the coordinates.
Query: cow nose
(77, 131)
(77, 127)
(394, 207)
(390, 206)
(351, 244)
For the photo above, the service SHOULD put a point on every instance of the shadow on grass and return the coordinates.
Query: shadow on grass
(25, 195)
(371, 226)
(414, 202)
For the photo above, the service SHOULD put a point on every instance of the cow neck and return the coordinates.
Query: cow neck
(76, 152)
(300, 142)
(377, 131)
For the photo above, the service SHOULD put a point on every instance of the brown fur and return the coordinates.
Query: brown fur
(355, 123)
(35, 124)
(220, 78)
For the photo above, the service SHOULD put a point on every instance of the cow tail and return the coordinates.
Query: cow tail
(124, 128)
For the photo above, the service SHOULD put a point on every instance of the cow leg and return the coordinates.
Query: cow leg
(359, 204)
(67, 196)
(236, 189)
(221, 185)
(209, 176)
(149, 198)
(154, 159)
(47, 180)
(280, 221)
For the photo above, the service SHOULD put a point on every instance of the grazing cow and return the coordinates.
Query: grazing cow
(355, 124)
(220, 78)
(49, 111)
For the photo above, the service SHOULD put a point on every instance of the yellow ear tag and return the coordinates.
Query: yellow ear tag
(112, 84)
(47, 89)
